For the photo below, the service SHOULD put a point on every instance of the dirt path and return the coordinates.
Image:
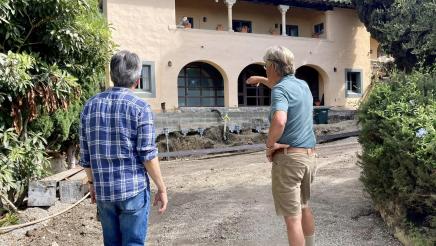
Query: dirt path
(227, 201)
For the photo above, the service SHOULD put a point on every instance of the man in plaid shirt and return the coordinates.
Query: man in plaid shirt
(118, 152)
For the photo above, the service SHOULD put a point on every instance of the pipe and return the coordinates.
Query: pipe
(7, 229)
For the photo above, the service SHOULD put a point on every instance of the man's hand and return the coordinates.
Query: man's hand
(91, 192)
(161, 197)
(272, 149)
(256, 80)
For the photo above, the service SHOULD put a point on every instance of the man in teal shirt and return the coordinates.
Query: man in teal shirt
(292, 95)
(290, 145)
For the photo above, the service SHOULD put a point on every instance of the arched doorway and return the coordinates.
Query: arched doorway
(312, 77)
(251, 95)
(200, 85)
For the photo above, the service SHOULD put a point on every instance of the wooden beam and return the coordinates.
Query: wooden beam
(63, 175)
(251, 147)
(332, 137)
(201, 152)
(312, 4)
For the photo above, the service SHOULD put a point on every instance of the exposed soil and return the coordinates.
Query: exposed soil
(227, 201)
(213, 137)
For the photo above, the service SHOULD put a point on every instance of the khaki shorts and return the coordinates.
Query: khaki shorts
(292, 175)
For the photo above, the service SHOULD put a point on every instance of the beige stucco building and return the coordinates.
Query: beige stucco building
(206, 61)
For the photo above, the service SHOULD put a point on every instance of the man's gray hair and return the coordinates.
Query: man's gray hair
(282, 58)
(125, 68)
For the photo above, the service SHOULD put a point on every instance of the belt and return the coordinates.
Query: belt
(298, 150)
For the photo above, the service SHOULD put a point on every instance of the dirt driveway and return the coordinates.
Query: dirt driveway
(227, 201)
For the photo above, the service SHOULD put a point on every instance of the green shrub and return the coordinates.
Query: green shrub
(20, 162)
(52, 59)
(9, 219)
(399, 146)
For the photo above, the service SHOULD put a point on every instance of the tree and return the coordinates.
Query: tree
(52, 59)
(405, 29)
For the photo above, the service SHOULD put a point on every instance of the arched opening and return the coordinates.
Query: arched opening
(200, 85)
(251, 95)
(314, 80)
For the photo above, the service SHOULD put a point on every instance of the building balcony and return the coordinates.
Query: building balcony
(251, 18)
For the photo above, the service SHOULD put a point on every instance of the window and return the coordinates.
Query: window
(147, 84)
(200, 85)
(252, 95)
(318, 28)
(291, 30)
(191, 20)
(353, 82)
(238, 26)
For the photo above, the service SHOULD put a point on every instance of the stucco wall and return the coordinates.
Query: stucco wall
(374, 48)
(148, 28)
(262, 16)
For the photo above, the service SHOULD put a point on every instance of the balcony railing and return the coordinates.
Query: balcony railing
(248, 18)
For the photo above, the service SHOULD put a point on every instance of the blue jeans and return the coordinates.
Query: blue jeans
(125, 222)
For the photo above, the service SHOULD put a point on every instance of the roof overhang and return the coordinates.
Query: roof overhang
(312, 4)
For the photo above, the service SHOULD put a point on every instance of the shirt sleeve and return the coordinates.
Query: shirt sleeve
(84, 151)
(278, 100)
(146, 134)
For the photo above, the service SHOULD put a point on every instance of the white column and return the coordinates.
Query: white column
(283, 9)
(230, 13)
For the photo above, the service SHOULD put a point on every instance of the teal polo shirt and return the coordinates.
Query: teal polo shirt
(293, 96)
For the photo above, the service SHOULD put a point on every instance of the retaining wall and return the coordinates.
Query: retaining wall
(195, 119)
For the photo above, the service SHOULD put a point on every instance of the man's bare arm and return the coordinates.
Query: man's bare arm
(276, 129)
(256, 80)
(153, 169)
(90, 183)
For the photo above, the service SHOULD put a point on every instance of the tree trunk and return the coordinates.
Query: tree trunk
(58, 163)
(71, 156)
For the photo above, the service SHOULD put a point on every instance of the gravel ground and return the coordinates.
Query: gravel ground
(227, 201)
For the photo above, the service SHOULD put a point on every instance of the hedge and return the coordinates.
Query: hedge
(399, 149)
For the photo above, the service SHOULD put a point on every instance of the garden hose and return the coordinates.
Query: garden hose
(14, 227)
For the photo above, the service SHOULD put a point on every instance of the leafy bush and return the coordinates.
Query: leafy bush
(399, 146)
(62, 37)
(20, 161)
(9, 219)
(53, 55)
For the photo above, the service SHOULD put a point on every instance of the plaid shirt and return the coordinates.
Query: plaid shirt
(116, 137)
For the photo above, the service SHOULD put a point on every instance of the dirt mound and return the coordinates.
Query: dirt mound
(340, 127)
(213, 137)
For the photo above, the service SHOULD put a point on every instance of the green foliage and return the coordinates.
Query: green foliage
(14, 74)
(70, 35)
(53, 55)
(20, 162)
(44, 125)
(9, 219)
(405, 29)
(399, 145)
(32, 88)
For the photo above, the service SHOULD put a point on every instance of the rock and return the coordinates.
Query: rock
(30, 233)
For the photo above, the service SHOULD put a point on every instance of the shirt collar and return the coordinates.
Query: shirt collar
(120, 89)
(291, 76)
